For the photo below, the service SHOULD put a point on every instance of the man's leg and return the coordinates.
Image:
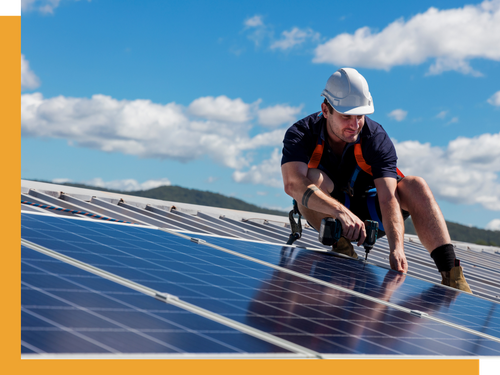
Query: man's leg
(322, 181)
(416, 197)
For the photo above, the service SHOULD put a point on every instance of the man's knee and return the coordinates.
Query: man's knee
(413, 189)
(413, 184)
(320, 179)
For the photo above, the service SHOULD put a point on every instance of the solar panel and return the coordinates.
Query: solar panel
(68, 310)
(442, 302)
(319, 316)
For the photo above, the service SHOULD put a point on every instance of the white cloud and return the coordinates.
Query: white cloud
(465, 172)
(29, 80)
(398, 114)
(43, 6)
(452, 37)
(150, 130)
(152, 184)
(267, 173)
(495, 99)
(454, 120)
(254, 21)
(294, 37)
(221, 109)
(257, 31)
(494, 225)
(123, 185)
(277, 208)
(442, 114)
(61, 180)
(278, 115)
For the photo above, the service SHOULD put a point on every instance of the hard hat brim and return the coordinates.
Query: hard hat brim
(355, 111)
(351, 110)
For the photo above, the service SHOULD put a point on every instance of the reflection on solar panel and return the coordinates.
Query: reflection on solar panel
(441, 302)
(320, 303)
(67, 310)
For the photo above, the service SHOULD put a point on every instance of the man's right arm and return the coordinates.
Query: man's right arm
(314, 194)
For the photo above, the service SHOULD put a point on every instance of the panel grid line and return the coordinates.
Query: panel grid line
(337, 287)
(70, 330)
(361, 326)
(201, 275)
(175, 301)
(94, 311)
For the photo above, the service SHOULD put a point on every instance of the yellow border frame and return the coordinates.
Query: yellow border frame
(10, 110)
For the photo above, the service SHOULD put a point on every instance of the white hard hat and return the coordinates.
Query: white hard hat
(347, 92)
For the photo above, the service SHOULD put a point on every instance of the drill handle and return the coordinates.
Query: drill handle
(331, 230)
(371, 228)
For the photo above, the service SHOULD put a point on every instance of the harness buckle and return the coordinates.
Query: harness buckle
(349, 190)
(370, 193)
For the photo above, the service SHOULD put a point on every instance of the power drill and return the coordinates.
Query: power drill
(330, 232)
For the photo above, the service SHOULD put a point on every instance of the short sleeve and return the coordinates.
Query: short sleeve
(380, 153)
(298, 144)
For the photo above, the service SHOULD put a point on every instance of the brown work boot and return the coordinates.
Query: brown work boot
(343, 246)
(455, 278)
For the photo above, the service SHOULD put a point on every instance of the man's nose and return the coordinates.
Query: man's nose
(354, 121)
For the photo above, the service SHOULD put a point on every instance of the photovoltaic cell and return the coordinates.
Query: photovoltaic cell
(441, 302)
(67, 310)
(315, 316)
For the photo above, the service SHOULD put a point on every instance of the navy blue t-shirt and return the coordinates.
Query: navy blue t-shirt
(377, 148)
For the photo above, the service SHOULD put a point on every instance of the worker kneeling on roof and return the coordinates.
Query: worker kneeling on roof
(339, 163)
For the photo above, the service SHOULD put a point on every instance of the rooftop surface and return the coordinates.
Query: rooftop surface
(175, 280)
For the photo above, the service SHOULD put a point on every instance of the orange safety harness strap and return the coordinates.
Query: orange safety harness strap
(349, 192)
(358, 154)
(316, 155)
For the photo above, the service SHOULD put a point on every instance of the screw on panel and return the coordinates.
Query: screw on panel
(418, 313)
(197, 240)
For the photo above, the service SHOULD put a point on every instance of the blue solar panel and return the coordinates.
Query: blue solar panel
(444, 303)
(68, 310)
(316, 316)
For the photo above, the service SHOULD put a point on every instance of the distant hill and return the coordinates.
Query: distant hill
(179, 194)
(464, 233)
(192, 196)
(203, 198)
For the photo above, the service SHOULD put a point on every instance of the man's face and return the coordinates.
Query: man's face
(344, 127)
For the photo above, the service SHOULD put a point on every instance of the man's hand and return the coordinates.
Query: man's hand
(352, 227)
(398, 262)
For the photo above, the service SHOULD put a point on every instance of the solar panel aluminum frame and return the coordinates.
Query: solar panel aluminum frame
(411, 312)
(344, 290)
(171, 299)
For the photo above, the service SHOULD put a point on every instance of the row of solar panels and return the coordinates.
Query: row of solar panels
(106, 288)
(481, 269)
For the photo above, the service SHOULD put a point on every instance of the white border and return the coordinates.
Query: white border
(10, 8)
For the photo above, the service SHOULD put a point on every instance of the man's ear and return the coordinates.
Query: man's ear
(324, 109)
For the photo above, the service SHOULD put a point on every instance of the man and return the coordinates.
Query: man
(334, 159)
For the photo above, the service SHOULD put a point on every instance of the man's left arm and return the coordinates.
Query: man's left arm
(393, 221)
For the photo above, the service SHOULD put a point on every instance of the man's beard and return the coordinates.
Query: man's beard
(344, 139)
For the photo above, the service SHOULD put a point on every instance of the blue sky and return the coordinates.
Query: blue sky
(134, 94)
